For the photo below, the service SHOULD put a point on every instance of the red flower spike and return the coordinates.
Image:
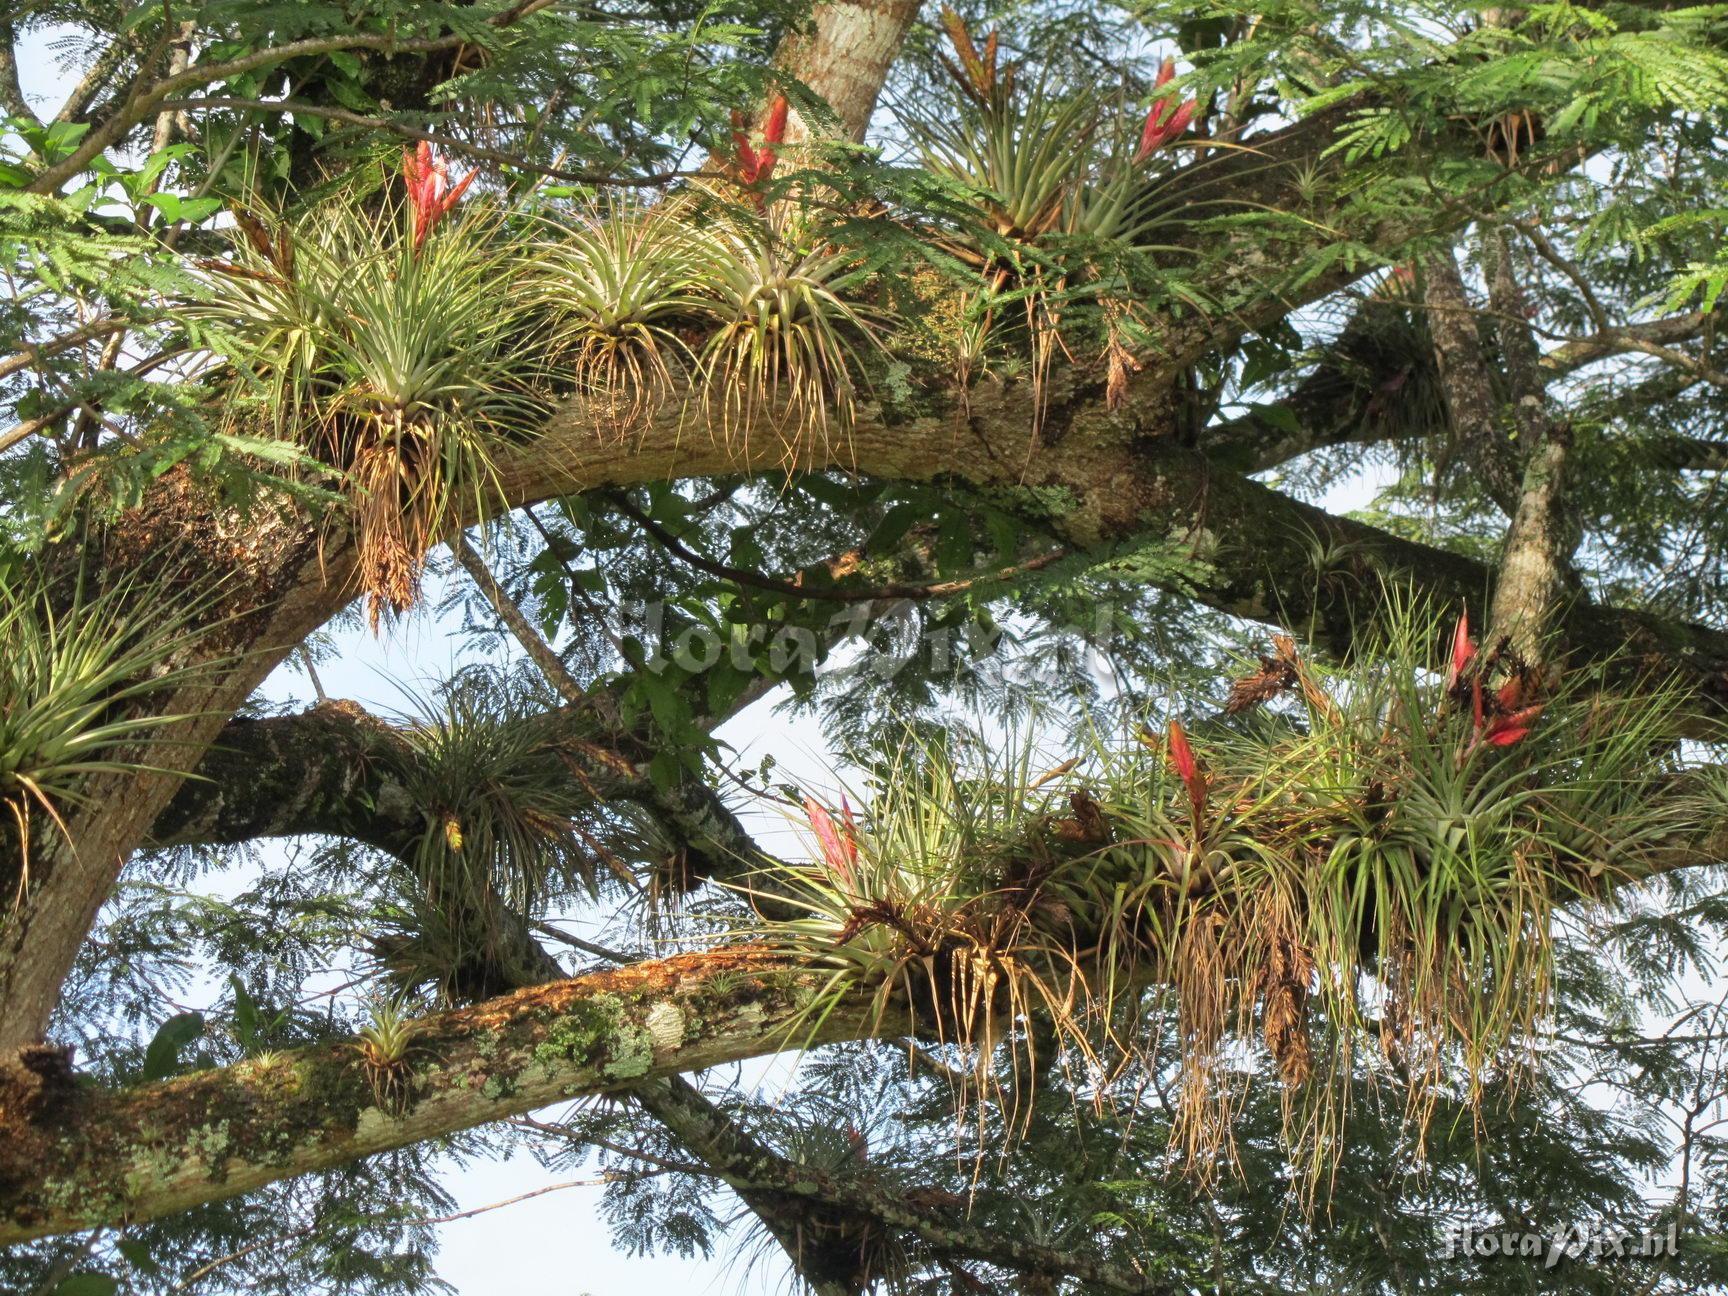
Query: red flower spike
(851, 827)
(753, 166)
(1510, 695)
(1463, 649)
(1188, 769)
(775, 131)
(1165, 120)
(838, 855)
(430, 193)
(1476, 703)
(1505, 737)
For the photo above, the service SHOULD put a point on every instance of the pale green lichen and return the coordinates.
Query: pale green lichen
(632, 1053)
(211, 1143)
(578, 1034)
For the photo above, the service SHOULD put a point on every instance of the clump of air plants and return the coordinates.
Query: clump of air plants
(786, 339)
(75, 667)
(1057, 207)
(945, 904)
(384, 1043)
(388, 346)
(1384, 872)
(614, 285)
(498, 783)
(1362, 883)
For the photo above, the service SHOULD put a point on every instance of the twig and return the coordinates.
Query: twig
(422, 1221)
(755, 580)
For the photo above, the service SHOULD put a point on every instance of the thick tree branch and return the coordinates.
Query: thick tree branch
(1381, 364)
(11, 93)
(73, 1157)
(1536, 561)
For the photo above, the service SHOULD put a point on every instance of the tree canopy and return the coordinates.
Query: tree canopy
(1236, 486)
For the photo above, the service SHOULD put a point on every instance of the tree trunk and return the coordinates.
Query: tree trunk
(845, 57)
(266, 604)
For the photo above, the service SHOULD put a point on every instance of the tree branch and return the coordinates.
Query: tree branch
(1656, 337)
(1471, 404)
(72, 1157)
(1535, 566)
(11, 93)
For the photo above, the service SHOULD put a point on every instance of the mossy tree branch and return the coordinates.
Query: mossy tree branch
(73, 1157)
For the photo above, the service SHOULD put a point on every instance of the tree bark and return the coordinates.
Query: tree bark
(1535, 567)
(847, 52)
(1480, 439)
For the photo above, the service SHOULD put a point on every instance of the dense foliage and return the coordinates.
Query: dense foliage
(1197, 960)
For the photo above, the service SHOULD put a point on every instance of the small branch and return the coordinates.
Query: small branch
(756, 580)
(422, 1221)
(34, 353)
(1660, 334)
(539, 651)
(142, 101)
(91, 83)
(1549, 253)
(587, 947)
(1464, 378)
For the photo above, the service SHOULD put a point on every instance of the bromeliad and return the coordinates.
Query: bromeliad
(430, 193)
(753, 166)
(1166, 119)
(839, 850)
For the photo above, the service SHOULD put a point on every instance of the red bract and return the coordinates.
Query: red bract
(1188, 770)
(1165, 120)
(1505, 730)
(430, 193)
(1463, 649)
(753, 166)
(838, 853)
